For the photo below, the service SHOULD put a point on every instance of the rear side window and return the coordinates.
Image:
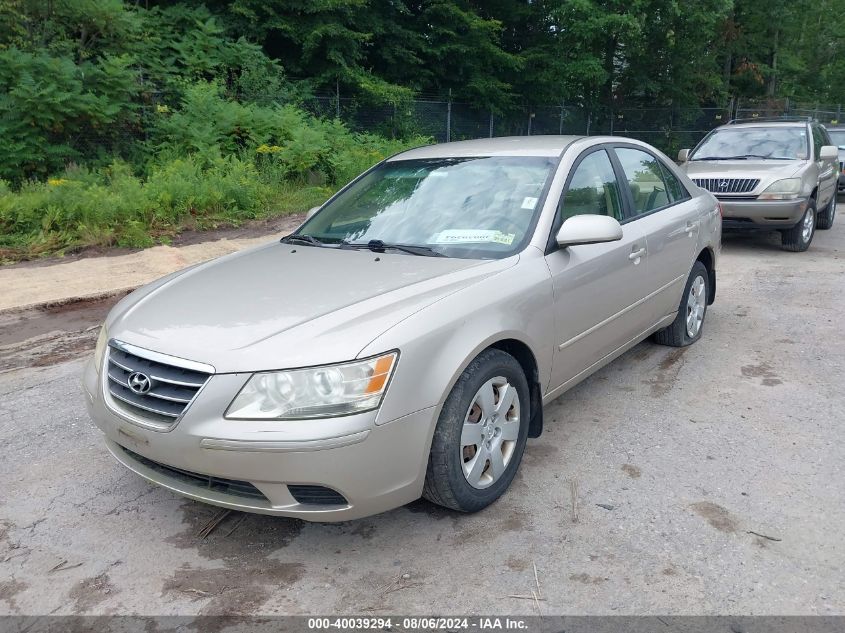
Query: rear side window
(593, 189)
(645, 179)
(677, 192)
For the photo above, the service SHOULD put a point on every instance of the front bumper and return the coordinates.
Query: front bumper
(761, 214)
(374, 467)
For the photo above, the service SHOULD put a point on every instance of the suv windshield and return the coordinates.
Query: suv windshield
(838, 138)
(776, 143)
(459, 207)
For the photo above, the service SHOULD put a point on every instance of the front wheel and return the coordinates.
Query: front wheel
(825, 219)
(798, 238)
(686, 328)
(480, 435)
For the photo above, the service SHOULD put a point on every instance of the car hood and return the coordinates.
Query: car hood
(279, 306)
(764, 170)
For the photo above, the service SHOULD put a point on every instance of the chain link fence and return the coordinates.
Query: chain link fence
(828, 114)
(666, 128)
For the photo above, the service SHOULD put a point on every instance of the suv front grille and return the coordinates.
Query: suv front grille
(727, 185)
(171, 389)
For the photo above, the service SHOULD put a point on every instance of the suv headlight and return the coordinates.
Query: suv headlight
(786, 189)
(100, 349)
(315, 392)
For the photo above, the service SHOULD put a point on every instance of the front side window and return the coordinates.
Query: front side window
(747, 143)
(593, 189)
(476, 207)
(645, 179)
(818, 142)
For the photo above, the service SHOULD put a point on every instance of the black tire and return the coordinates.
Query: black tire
(445, 482)
(793, 239)
(676, 334)
(824, 220)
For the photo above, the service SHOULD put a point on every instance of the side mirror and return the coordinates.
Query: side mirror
(311, 212)
(683, 156)
(829, 152)
(589, 229)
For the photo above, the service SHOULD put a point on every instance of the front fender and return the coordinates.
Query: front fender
(437, 343)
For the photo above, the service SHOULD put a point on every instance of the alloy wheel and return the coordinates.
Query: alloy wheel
(807, 225)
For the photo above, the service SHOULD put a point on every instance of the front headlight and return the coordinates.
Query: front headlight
(786, 189)
(316, 392)
(100, 349)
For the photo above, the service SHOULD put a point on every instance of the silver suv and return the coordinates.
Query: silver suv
(769, 174)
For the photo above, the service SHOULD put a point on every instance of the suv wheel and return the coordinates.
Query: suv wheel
(825, 218)
(480, 435)
(687, 326)
(798, 238)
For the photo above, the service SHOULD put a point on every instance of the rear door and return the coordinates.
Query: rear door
(597, 287)
(663, 210)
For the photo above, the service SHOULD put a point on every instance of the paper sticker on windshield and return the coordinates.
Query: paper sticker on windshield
(529, 203)
(472, 236)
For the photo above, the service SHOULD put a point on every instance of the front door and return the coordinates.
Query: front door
(597, 287)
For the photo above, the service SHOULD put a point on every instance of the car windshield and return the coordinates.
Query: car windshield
(480, 207)
(776, 143)
(838, 138)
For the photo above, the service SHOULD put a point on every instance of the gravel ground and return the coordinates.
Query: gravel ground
(698, 481)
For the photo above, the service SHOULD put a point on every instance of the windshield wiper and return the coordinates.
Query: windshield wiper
(298, 238)
(744, 157)
(379, 246)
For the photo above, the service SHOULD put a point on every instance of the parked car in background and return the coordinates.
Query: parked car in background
(769, 175)
(402, 342)
(837, 137)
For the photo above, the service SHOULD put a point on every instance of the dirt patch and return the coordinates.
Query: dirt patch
(632, 471)
(667, 372)
(280, 226)
(716, 516)
(8, 590)
(91, 592)
(587, 579)
(764, 371)
(541, 451)
(49, 335)
(516, 564)
(234, 589)
(245, 543)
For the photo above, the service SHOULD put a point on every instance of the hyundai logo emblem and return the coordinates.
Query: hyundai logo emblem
(139, 383)
(723, 184)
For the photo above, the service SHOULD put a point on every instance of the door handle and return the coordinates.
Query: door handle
(635, 256)
(691, 226)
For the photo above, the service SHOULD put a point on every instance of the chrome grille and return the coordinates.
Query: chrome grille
(171, 388)
(727, 185)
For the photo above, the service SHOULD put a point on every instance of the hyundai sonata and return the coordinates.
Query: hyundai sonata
(403, 341)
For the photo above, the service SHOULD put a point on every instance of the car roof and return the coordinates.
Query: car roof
(498, 146)
(766, 124)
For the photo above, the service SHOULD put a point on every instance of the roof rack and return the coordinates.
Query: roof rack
(774, 119)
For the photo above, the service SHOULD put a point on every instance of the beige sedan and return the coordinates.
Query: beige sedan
(403, 341)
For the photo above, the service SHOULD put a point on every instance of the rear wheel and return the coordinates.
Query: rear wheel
(480, 435)
(825, 219)
(687, 326)
(798, 238)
